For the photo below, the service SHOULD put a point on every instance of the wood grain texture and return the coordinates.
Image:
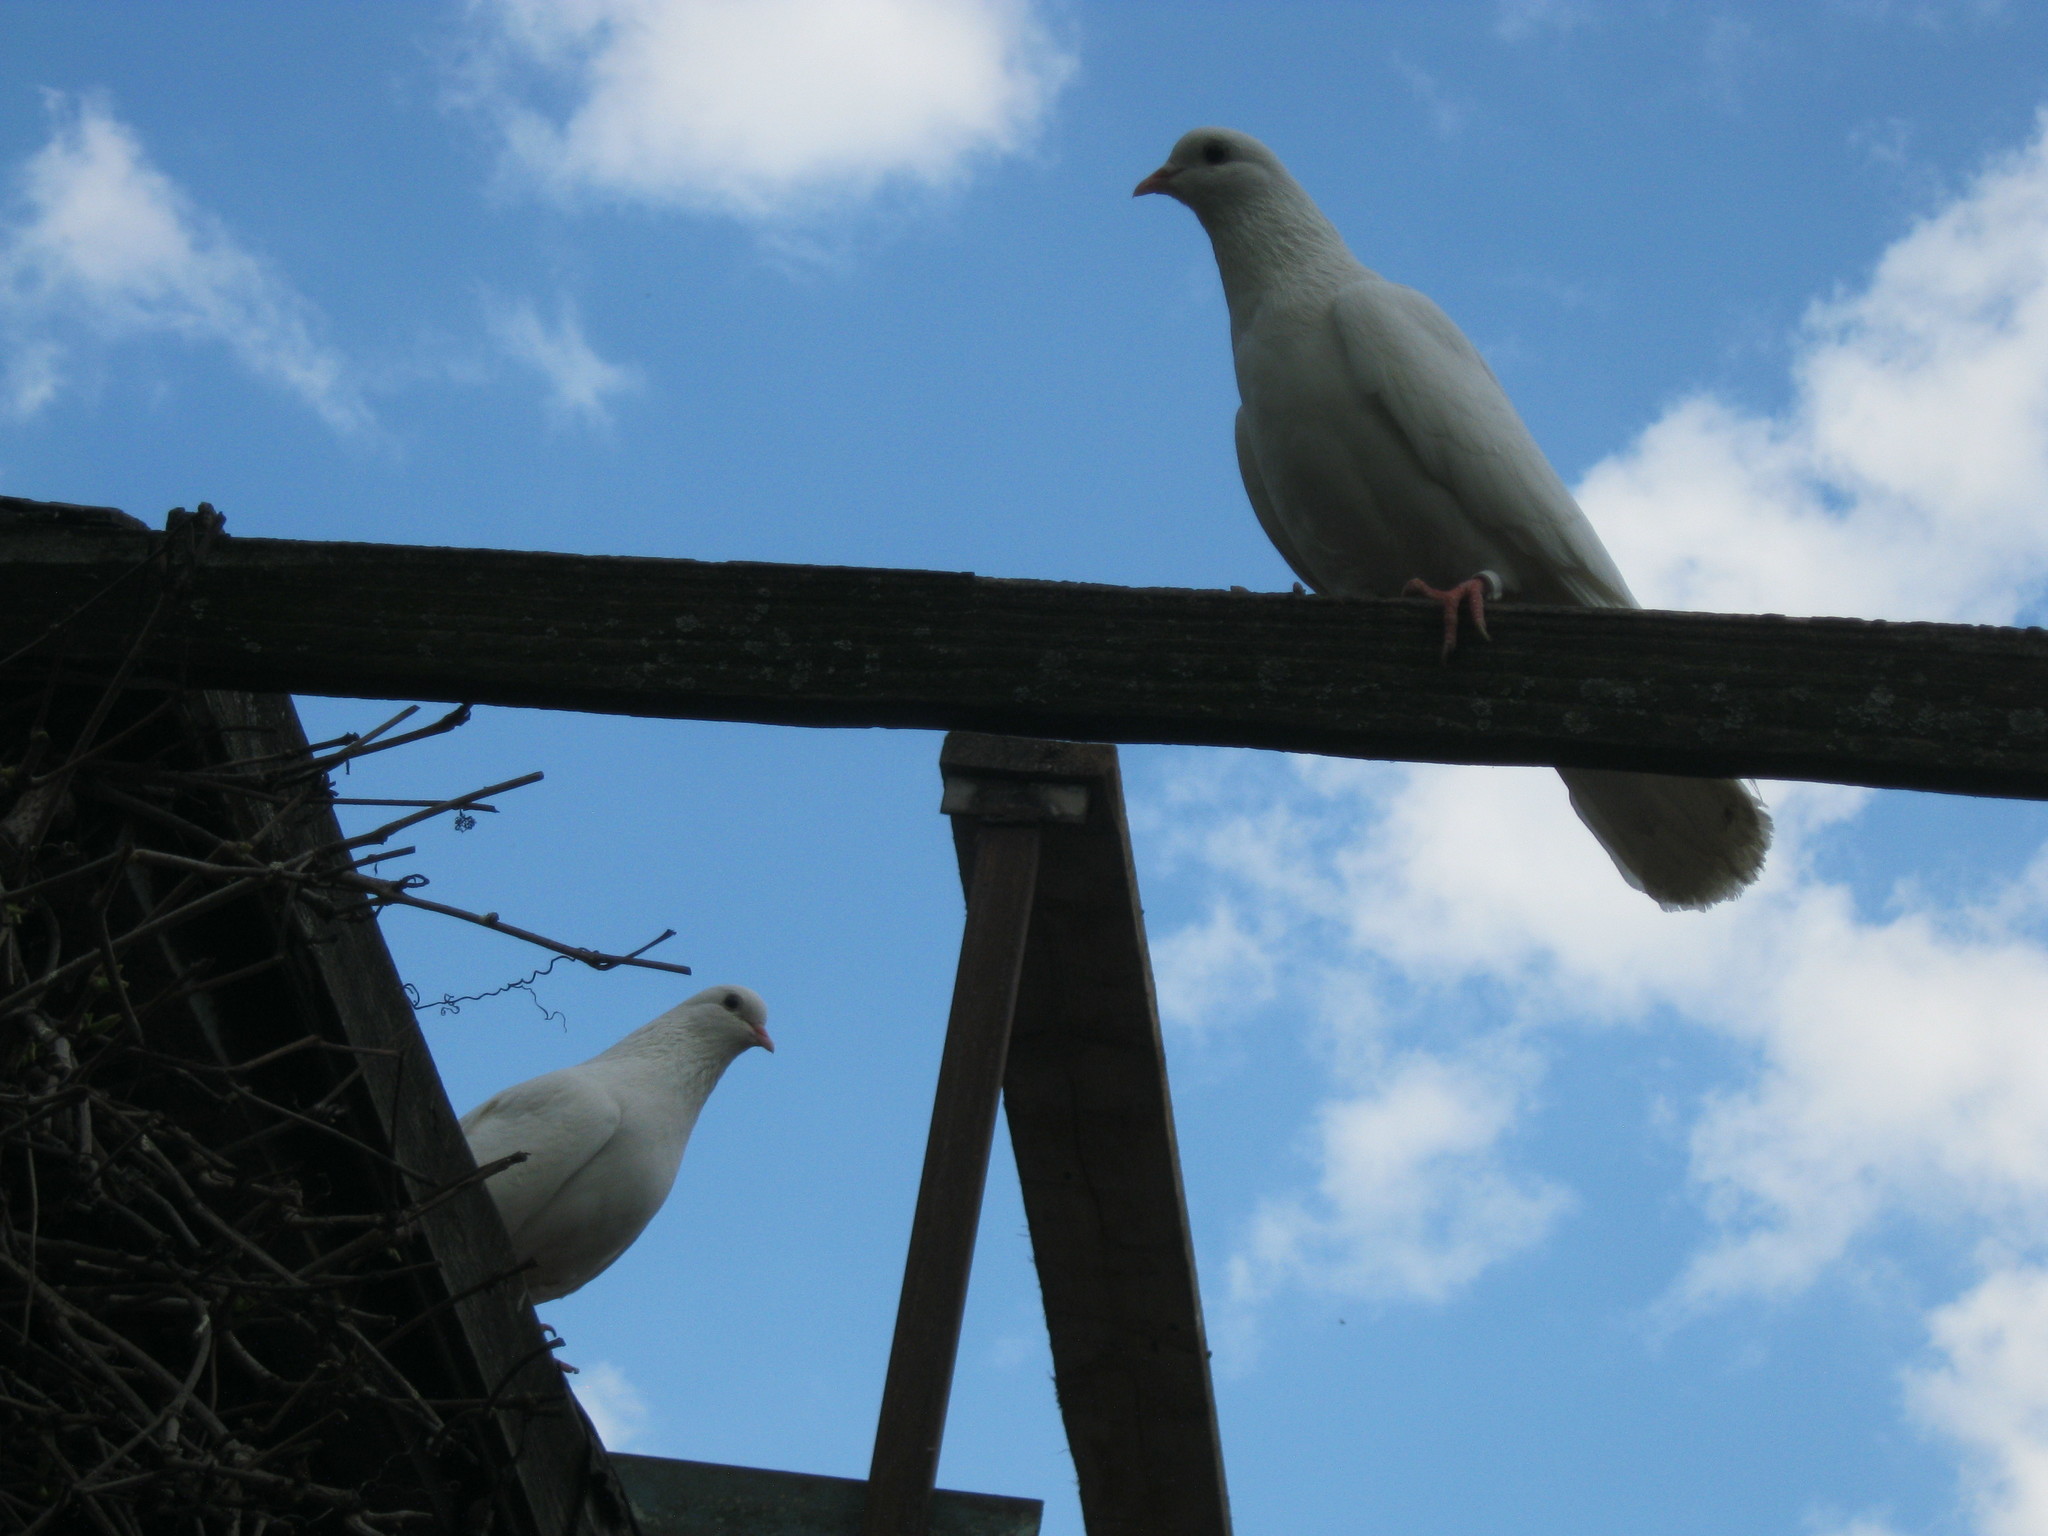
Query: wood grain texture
(1919, 706)
(1091, 1123)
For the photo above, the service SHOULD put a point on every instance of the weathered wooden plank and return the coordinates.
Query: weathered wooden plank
(704, 1498)
(1091, 1122)
(920, 1379)
(1918, 706)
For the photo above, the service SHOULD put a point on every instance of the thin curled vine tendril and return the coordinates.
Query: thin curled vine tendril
(449, 1005)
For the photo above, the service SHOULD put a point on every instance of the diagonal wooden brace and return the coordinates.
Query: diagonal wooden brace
(1003, 825)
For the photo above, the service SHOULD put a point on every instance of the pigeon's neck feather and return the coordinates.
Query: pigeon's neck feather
(1277, 244)
(681, 1061)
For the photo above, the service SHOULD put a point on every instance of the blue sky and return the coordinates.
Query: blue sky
(1520, 1205)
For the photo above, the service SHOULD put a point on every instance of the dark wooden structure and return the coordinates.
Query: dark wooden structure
(1091, 1122)
(278, 1037)
(1053, 1006)
(1053, 1014)
(1943, 707)
(344, 984)
(671, 1497)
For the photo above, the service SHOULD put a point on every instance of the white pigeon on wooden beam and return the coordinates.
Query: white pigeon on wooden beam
(603, 1140)
(1382, 456)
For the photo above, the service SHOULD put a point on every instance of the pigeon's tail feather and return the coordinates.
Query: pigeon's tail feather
(1685, 843)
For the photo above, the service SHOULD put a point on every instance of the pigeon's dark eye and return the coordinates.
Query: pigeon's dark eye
(732, 1001)
(1215, 154)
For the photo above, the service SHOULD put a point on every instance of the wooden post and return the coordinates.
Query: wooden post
(1091, 1122)
(913, 1417)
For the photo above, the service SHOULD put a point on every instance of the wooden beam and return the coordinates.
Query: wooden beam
(920, 1380)
(702, 1498)
(1091, 1123)
(1915, 706)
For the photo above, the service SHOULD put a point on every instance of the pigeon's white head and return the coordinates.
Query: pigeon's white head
(1215, 169)
(703, 1032)
(1266, 230)
(734, 1013)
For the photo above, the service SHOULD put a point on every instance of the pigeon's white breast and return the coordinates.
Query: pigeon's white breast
(607, 1202)
(1356, 513)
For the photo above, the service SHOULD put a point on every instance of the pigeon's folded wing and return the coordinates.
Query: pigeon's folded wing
(1262, 502)
(560, 1121)
(1412, 364)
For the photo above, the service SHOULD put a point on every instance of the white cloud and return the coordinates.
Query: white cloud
(1516, 21)
(1990, 1394)
(579, 382)
(617, 1411)
(1413, 1199)
(1215, 972)
(33, 378)
(1891, 1071)
(1906, 479)
(104, 246)
(1931, 14)
(760, 108)
(1732, 49)
(1446, 113)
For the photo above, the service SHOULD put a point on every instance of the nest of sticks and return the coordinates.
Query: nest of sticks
(217, 1311)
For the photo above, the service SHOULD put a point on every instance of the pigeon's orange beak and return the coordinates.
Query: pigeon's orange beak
(761, 1039)
(1159, 181)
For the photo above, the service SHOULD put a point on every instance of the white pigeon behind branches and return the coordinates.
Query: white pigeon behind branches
(603, 1140)
(1381, 455)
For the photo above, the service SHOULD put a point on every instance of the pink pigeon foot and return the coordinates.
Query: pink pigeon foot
(1466, 594)
(555, 1341)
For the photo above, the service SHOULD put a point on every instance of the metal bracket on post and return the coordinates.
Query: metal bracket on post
(989, 800)
(1002, 816)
